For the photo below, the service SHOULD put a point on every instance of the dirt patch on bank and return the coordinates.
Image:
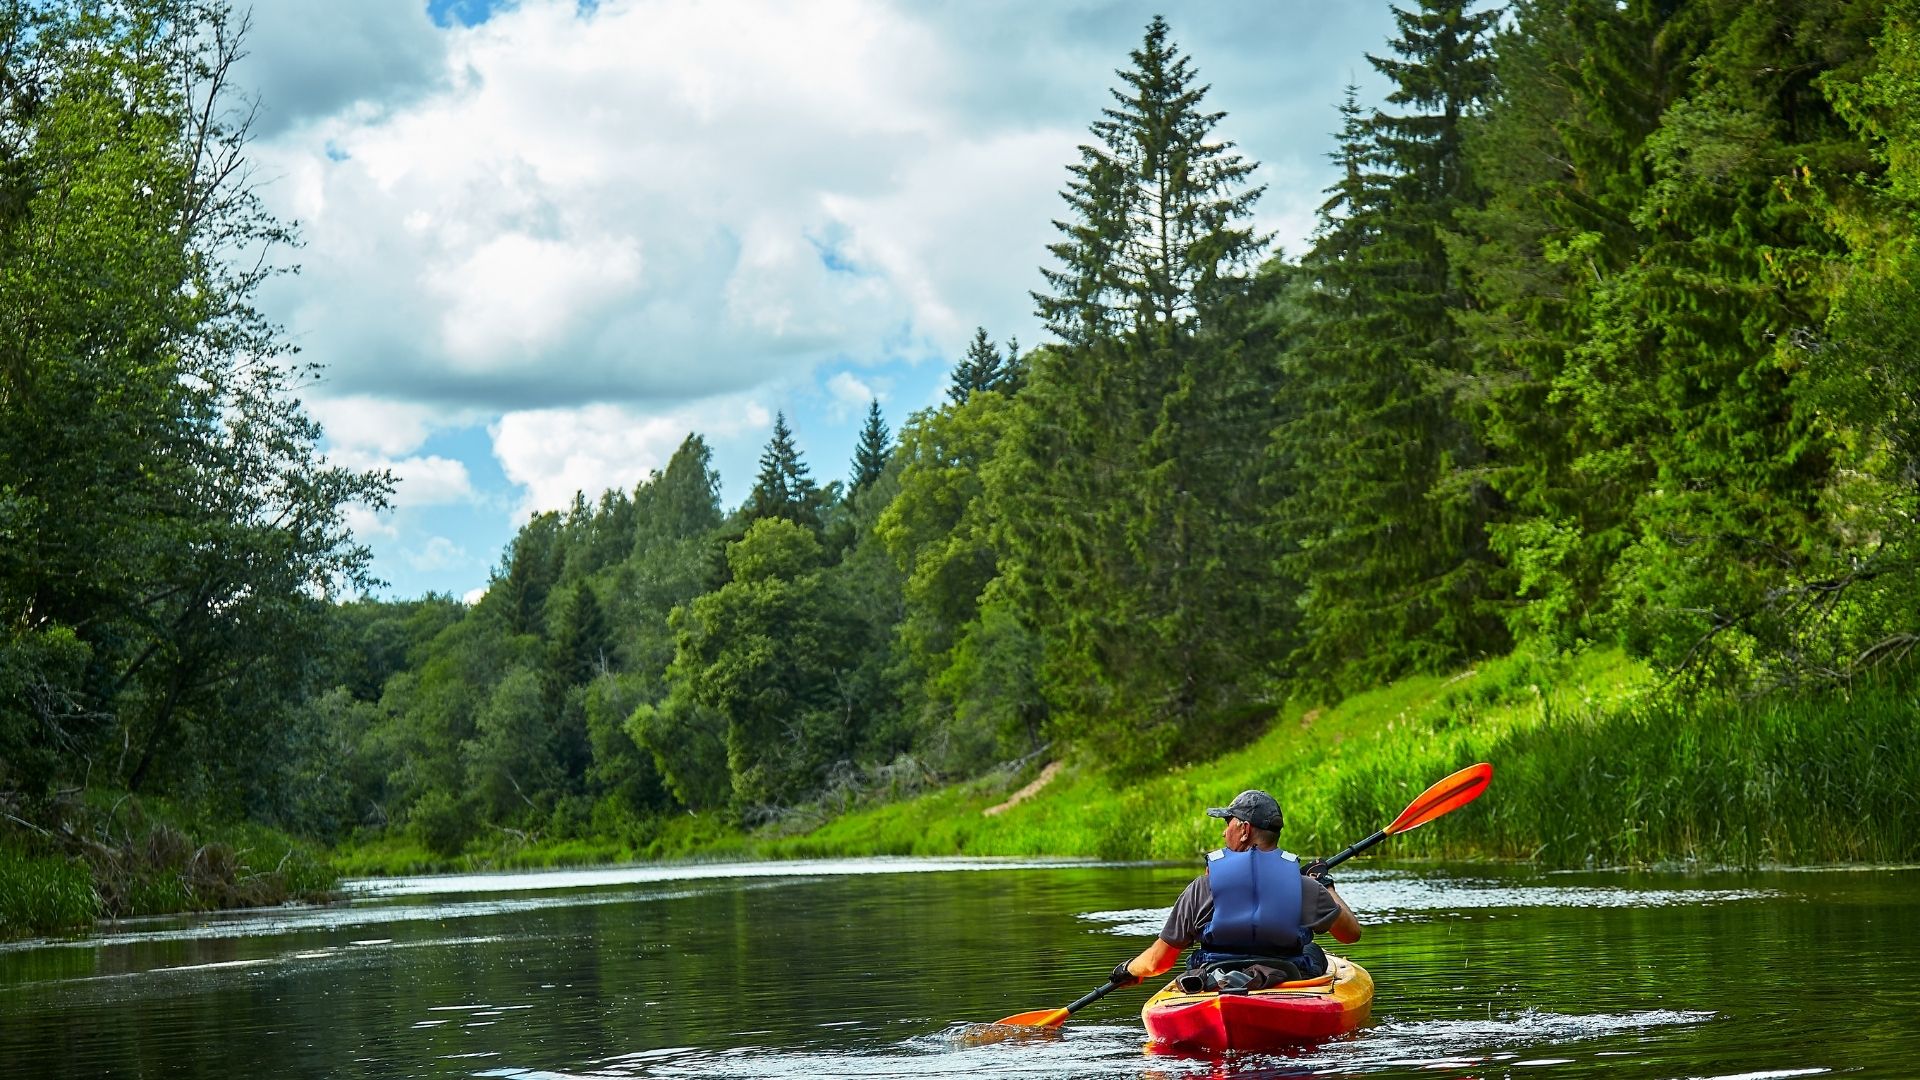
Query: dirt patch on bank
(1046, 775)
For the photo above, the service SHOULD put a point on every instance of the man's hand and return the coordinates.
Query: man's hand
(1121, 976)
(1317, 870)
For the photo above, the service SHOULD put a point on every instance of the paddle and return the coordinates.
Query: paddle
(1056, 1017)
(1442, 798)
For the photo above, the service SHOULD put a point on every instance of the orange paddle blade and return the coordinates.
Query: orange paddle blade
(1444, 797)
(1036, 1018)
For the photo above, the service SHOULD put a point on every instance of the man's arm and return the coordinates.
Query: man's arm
(1345, 928)
(1154, 959)
(1176, 935)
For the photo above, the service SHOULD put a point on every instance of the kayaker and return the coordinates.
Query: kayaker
(1244, 913)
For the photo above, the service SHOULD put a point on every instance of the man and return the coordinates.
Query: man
(1254, 911)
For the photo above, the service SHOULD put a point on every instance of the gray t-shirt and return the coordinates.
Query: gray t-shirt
(1194, 910)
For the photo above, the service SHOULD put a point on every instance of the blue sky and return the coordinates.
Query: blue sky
(542, 240)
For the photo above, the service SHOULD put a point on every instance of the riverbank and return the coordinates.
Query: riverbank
(115, 856)
(1594, 766)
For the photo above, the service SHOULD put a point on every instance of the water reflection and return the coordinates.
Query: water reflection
(869, 968)
(444, 884)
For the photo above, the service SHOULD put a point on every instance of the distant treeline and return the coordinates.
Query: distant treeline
(1610, 334)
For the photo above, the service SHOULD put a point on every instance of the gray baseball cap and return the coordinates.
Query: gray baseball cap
(1256, 808)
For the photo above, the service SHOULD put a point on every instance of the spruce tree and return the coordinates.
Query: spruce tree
(1692, 348)
(1158, 212)
(1127, 491)
(530, 570)
(783, 489)
(977, 370)
(1013, 373)
(985, 368)
(1386, 498)
(870, 454)
(1563, 159)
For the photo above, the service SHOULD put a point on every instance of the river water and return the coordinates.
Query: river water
(873, 968)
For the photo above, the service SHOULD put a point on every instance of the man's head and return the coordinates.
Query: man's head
(1253, 820)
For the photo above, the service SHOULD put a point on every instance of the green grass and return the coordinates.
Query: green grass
(1309, 758)
(44, 894)
(116, 856)
(1593, 765)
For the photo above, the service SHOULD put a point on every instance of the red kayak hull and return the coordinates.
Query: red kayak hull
(1287, 1015)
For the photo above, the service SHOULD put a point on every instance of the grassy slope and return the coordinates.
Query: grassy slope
(1082, 811)
(1392, 741)
(1591, 767)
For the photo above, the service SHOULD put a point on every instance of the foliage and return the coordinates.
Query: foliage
(761, 653)
(45, 894)
(1382, 486)
(1127, 504)
(170, 532)
(1603, 342)
(116, 855)
(783, 489)
(1606, 341)
(870, 456)
(938, 529)
(985, 368)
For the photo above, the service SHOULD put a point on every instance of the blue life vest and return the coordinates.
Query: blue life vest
(1256, 907)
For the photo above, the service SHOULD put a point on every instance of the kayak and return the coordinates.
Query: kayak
(1284, 1015)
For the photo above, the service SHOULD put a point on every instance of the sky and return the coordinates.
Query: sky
(544, 240)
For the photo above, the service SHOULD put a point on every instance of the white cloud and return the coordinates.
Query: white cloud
(514, 295)
(417, 481)
(664, 192)
(850, 395)
(554, 453)
(308, 58)
(688, 199)
(366, 523)
(362, 424)
(430, 481)
(474, 595)
(439, 553)
(595, 227)
(368, 434)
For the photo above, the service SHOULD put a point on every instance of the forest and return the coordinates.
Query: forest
(1608, 340)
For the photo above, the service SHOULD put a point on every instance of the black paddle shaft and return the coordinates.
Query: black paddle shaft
(1092, 996)
(1356, 849)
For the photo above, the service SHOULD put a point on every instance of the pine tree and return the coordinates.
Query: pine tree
(783, 489)
(870, 454)
(1157, 228)
(1013, 373)
(1563, 158)
(1386, 501)
(986, 368)
(1127, 493)
(1691, 355)
(582, 640)
(531, 569)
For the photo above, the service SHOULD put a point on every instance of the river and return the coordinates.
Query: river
(873, 968)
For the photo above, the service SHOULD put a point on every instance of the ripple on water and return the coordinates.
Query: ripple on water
(1108, 1050)
(440, 884)
(1088, 1051)
(1397, 896)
